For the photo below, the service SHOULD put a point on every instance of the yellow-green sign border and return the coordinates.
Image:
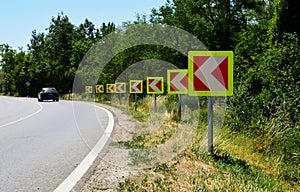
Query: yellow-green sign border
(99, 91)
(90, 87)
(169, 81)
(191, 55)
(119, 83)
(141, 91)
(162, 88)
(107, 85)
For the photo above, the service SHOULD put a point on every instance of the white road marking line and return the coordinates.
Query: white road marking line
(68, 184)
(23, 118)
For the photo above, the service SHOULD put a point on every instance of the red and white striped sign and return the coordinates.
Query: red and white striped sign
(178, 81)
(88, 89)
(110, 88)
(136, 86)
(99, 88)
(120, 87)
(211, 73)
(155, 85)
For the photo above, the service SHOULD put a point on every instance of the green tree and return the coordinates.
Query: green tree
(14, 71)
(39, 70)
(106, 29)
(51, 55)
(266, 98)
(59, 45)
(20, 73)
(55, 55)
(286, 19)
(8, 65)
(87, 31)
(216, 23)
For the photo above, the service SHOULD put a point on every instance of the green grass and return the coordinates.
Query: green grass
(220, 172)
(254, 150)
(240, 162)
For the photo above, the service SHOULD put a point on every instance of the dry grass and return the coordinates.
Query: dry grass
(237, 165)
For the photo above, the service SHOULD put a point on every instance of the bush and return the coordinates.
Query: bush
(266, 104)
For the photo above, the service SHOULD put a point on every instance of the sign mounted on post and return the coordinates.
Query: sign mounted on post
(88, 89)
(136, 86)
(120, 87)
(210, 73)
(178, 81)
(99, 89)
(110, 88)
(155, 85)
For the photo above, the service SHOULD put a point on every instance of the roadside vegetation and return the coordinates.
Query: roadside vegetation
(238, 163)
(258, 147)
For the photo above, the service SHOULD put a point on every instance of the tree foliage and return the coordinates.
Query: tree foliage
(264, 36)
(52, 57)
(216, 23)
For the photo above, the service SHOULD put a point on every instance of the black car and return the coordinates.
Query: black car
(49, 93)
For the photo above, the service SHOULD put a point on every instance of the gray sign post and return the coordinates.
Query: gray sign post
(179, 107)
(210, 124)
(135, 102)
(154, 103)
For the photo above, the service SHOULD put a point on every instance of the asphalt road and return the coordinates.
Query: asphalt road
(41, 143)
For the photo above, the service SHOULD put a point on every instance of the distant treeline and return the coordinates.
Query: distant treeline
(52, 57)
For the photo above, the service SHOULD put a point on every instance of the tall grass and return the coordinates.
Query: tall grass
(241, 162)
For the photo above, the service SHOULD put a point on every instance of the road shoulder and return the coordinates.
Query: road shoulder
(112, 165)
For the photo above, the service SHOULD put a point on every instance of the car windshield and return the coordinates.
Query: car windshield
(49, 90)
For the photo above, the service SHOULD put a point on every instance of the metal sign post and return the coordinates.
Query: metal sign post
(155, 85)
(154, 103)
(179, 107)
(210, 125)
(120, 98)
(135, 102)
(178, 84)
(135, 86)
(210, 74)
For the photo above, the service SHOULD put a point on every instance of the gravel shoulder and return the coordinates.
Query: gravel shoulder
(113, 165)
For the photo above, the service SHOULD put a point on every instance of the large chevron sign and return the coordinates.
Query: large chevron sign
(88, 89)
(136, 86)
(210, 73)
(155, 85)
(110, 88)
(99, 89)
(120, 87)
(177, 81)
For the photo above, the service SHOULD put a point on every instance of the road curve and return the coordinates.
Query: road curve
(42, 143)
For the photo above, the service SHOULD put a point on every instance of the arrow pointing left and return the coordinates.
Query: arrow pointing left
(155, 85)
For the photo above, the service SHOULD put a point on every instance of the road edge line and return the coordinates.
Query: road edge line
(23, 118)
(80, 170)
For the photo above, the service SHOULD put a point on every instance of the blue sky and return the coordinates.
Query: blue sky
(20, 17)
